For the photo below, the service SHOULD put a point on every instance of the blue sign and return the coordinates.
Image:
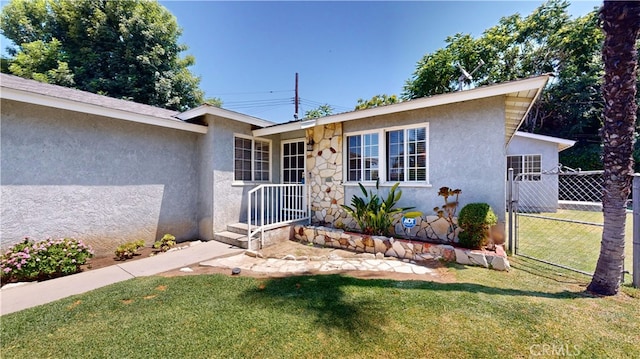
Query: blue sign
(408, 222)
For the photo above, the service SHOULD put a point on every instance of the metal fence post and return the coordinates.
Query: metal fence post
(510, 209)
(636, 230)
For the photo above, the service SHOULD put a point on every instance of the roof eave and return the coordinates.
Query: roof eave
(224, 113)
(66, 104)
(562, 143)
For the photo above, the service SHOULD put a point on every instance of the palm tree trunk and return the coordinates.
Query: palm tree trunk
(621, 24)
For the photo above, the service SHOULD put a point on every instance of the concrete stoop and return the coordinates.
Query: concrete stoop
(236, 234)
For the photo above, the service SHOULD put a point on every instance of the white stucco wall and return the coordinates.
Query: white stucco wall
(102, 180)
(537, 195)
(465, 148)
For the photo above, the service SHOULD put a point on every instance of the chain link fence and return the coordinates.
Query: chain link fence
(558, 219)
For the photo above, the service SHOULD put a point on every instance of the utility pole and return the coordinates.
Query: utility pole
(296, 100)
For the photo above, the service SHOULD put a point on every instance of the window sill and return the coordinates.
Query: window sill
(389, 184)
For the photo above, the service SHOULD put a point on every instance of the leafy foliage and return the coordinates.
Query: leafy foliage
(165, 243)
(124, 49)
(475, 220)
(30, 260)
(320, 111)
(546, 41)
(377, 101)
(128, 250)
(375, 215)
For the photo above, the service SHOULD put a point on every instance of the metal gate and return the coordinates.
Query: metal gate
(557, 218)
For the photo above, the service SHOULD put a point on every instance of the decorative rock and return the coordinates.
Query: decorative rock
(399, 249)
(379, 255)
(289, 257)
(318, 134)
(251, 253)
(378, 246)
(499, 263)
(367, 241)
(391, 253)
(186, 270)
(468, 257)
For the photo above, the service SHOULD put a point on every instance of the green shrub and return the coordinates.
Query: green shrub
(30, 260)
(375, 216)
(128, 250)
(164, 244)
(475, 220)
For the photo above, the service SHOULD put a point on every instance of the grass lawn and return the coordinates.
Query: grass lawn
(570, 244)
(532, 310)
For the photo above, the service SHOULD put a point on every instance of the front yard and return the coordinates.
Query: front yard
(534, 310)
(576, 245)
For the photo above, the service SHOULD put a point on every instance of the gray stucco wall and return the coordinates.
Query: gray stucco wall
(102, 180)
(466, 151)
(222, 200)
(538, 195)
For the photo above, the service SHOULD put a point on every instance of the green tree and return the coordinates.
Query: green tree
(214, 101)
(320, 111)
(376, 101)
(621, 25)
(124, 49)
(546, 41)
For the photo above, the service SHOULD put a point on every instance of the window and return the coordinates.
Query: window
(251, 159)
(391, 155)
(407, 155)
(362, 164)
(525, 167)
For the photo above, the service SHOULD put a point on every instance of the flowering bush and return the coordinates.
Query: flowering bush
(30, 260)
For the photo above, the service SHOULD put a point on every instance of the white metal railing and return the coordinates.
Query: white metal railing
(274, 205)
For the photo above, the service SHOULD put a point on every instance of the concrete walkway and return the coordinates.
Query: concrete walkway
(305, 264)
(13, 299)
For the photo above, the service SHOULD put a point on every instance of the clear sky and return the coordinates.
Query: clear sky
(247, 53)
(342, 51)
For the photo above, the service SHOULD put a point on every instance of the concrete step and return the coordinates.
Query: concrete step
(236, 239)
(240, 228)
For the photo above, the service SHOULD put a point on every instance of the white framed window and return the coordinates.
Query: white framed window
(525, 167)
(395, 154)
(251, 159)
(363, 157)
(293, 160)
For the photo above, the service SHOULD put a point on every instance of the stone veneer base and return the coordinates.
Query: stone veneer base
(399, 248)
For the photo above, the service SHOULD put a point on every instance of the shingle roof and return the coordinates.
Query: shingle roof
(19, 83)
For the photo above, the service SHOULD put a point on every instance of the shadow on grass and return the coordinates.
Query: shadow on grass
(326, 297)
(337, 304)
(550, 272)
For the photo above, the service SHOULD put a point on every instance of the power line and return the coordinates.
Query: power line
(250, 93)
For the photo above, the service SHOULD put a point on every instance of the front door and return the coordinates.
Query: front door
(293, 158)
(293, 169)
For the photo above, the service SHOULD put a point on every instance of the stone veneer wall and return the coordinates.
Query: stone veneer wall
(324, 169)
(400, 248)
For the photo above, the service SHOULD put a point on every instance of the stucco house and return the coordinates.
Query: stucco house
(108, 171)
(535, 163)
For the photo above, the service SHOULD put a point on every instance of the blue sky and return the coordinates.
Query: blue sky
(247, 53)
(342, 51)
